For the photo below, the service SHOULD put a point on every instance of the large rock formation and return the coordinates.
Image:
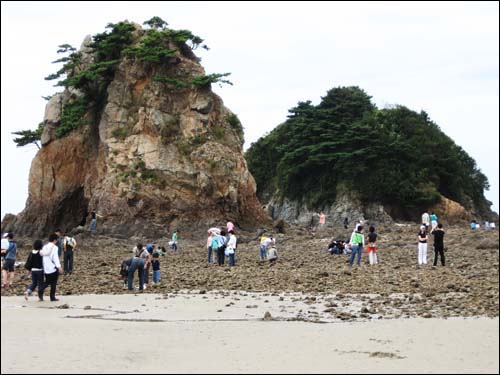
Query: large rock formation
(158, 157)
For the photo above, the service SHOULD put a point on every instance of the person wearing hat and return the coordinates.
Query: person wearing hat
(9, 261)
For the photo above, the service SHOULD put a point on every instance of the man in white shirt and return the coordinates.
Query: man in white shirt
(51, 267)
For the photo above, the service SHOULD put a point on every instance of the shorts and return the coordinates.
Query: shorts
(371, 248)
(8, 265)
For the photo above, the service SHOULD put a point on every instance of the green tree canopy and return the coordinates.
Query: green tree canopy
(394, 156)
(27, 137)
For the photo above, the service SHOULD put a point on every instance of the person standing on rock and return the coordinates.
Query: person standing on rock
(438, 234)
(209, 247)
(434, 220)
(426, 220)
(346, 223)
(174, 240)
(93, 221)
(372, 246)
(51, 267)
(357, 243)
(231, 249)
(219, 245)
(265, 242)
(422, 245)
(8, 269)
(69, 246)
(229, 226)
(34, 264)
(322, 220)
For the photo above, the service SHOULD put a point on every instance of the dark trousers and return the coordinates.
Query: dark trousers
(68, 261)
(438, 251)
(220, 256)
(146, 274)
(50, 279)
(36, 280)
(137, 264)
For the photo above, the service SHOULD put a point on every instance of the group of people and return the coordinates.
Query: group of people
(356, 245)
(423, 237)
(43, 262)
(474, 225)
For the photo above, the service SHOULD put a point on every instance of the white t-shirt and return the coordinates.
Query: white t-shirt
(50, 258)
(272, 253)
(5, 244)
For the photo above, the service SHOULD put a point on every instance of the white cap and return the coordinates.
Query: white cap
(5, 235)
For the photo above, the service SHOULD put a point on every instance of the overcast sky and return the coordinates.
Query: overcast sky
(439, 57)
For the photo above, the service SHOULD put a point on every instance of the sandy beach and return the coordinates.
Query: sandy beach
(224, 332)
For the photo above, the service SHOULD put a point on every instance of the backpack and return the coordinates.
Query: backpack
(222, 242)
(125, 266)
(70, 241)
(29, 262)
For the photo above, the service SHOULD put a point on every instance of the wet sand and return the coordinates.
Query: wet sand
(223, 332)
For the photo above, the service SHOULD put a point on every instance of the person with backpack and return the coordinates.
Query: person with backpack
(357, 243)
(8, 269)
(51, 267)
(139, 263)
(69, 246)
(124, 271)
(219, 243)
(34, 265)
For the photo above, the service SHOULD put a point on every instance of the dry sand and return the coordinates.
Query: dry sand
(224, 332)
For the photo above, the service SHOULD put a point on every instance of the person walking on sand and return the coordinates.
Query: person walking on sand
(34, 265)
(372, 246)
(438, 234)
(8, 268)
(357, 243)
(422, 245)
(51, 267)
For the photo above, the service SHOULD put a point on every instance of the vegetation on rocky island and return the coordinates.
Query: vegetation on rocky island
(392, 155)
(88, 81)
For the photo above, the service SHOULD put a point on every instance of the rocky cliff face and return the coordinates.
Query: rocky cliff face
(158, 157)
(349, 205)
